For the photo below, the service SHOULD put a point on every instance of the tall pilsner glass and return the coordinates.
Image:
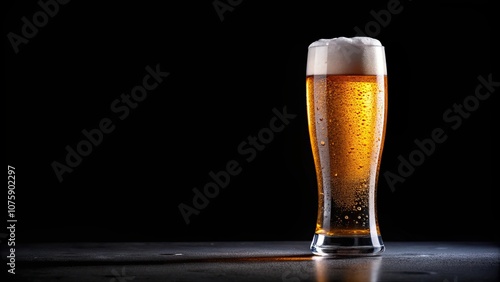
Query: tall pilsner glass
(346, 82)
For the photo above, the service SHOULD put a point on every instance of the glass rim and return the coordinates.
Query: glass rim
(357, 46)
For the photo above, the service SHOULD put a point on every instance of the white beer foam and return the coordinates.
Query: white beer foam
(343, 55)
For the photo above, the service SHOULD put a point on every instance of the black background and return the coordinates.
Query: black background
(226, 77)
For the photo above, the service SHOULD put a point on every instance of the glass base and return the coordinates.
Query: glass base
(347, 245)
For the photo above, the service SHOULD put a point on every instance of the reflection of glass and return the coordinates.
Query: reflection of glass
(347, 105)
(364, 269)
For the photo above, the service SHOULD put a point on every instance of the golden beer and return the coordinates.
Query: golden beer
(347, 120)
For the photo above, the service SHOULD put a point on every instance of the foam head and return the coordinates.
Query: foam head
(346, 56)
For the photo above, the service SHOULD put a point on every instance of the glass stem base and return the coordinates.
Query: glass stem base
(347, 245)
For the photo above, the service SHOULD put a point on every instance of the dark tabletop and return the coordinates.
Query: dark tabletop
(251, 261)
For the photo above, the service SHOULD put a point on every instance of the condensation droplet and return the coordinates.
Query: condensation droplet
(346, 217)
(322, 143)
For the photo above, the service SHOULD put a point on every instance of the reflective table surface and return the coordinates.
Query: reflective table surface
(250, 261)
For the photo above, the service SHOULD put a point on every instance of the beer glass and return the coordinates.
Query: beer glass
(346, 81)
